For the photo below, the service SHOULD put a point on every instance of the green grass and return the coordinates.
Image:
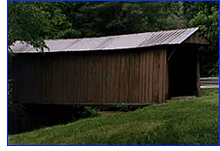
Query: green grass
(192, 121)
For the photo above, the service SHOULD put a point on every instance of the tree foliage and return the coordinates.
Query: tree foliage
(34, 21)
(25, 23)
(206, 17)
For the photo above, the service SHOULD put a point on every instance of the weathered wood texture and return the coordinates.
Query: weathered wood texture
(94, 78)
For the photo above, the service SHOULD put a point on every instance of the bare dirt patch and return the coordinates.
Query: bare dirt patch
(108, 112)
(95, 133)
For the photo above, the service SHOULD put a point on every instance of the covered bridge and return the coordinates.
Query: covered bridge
(135, 69)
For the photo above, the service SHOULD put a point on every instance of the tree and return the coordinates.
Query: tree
(34, 21)
(207, 18)
(25, 23)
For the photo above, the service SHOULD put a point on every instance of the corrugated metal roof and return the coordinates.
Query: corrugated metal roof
(139, 40)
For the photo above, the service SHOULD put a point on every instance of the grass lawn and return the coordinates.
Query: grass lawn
(192, 121)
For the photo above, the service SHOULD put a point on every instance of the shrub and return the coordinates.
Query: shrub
(118, 107)
(89, 112)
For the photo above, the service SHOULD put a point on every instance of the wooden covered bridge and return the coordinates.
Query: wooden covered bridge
(135, 69)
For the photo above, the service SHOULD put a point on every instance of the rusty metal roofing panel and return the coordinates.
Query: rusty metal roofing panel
(139, 40)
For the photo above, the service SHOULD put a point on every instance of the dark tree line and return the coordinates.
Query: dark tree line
(33, 21)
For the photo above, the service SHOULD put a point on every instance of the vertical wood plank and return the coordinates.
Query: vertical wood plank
(163, 65)
(54, 94)
(74, 78)
(30, 81)
(41, 78)
(29, 88)
(93, 83)
(89, 78)
(23, 76)
(65, 78)
(44, 81)
(109, 78)
(126, 77)
(20, 84)
(151, 75)
(51, 81)
(113, 80)
(36, 79)
(83, 68)
(135, 77)
(131, 78)
(76, 81)
(137, 82)
(143, 54)
(154, 85)
(98, 78)
(38, 90)
(155, 92)
(79, 79)
(61, 79)
(26, 80)
(70, 77)
(160, 78)
(21, 80)
(140, 76)
(134, 96)
(56, 80)
(117, 77)
(104, 77)
(86, 77)
(122, 78)
(93, 79)
(165, 75)
(59, 73)
(25, 97)
(147, 58)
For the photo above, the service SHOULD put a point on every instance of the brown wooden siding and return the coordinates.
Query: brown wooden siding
(95, 78)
